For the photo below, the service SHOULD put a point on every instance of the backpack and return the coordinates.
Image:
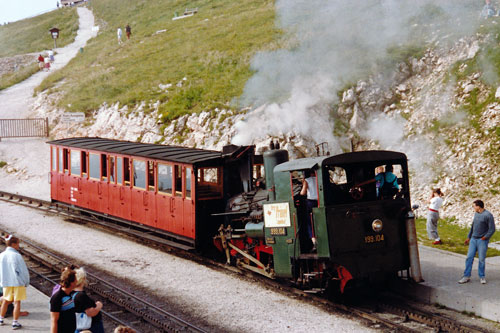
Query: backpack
(388, 189)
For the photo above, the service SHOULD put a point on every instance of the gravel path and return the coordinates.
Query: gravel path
(220, 300)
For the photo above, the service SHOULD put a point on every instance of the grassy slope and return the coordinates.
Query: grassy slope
(32, 35)
(212, 50)
(452, 235)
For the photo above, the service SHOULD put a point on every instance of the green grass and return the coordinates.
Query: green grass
(2, 164)
(32, 35)
(452, 236)
(211, 49)
(11, 78)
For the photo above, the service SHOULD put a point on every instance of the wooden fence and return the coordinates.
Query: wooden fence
(23, 128)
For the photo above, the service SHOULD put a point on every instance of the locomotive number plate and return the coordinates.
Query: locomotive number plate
(374, 238)
(278, 231)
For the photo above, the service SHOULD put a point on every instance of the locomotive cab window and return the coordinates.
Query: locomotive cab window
(75, 162)
(363, 182)
(208, 183)
(94, 166)
(139, 170)
(165, 178)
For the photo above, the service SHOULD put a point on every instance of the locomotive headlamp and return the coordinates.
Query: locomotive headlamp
(377, 225)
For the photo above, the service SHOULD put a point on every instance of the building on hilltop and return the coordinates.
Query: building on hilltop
(71, 2)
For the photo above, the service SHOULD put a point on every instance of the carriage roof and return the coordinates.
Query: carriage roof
(148, 150)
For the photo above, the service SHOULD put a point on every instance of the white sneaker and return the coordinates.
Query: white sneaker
(465, 279)
(483, 280)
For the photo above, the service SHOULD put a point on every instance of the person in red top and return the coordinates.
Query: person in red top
(41, 61)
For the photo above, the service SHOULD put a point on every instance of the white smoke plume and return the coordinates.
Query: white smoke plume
(337, 42)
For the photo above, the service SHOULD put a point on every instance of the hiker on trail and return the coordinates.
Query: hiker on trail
(119, 35)
(41, 61)
(128, 31)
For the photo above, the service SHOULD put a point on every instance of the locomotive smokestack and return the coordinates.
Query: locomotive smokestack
(271, 159)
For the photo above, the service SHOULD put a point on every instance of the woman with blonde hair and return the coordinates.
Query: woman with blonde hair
(83, 303)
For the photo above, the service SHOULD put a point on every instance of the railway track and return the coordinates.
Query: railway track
(386, 313)
(121, 307)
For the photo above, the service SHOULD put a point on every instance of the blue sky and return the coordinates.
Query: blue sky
(14, 10)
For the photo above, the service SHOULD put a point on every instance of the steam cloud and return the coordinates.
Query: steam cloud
(334, 44)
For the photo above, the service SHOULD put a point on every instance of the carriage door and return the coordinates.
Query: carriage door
(54, 177)
(177, 207)
(64, 185)
(150, 195)
(188, 205)
(75, 179)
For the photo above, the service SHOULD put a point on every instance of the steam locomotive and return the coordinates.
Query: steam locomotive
(249, 206)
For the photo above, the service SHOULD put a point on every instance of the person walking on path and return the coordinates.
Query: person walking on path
(119, 35)
(83, 303)
(62, 306)
(128, 31)
(41, 61)
(435, 203)
(483, 227)
(14, 277)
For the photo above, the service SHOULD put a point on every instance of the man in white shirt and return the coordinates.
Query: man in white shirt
(436, 201)
(310, 187)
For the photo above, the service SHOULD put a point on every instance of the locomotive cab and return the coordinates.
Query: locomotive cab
(358, 224)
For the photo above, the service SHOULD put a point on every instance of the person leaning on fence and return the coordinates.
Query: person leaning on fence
(14, 277)
(483, 227)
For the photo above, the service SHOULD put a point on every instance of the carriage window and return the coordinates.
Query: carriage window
(178, 181)
(112, 169)
(94, 166)
(84, 163)
(165, 178)
(151, 176)
(188, 183)
(54, 158)
(119, 168)
(63, 160)
(60, 160)
(104, 167)
(126, 170)
(75, 162)
(139, 174)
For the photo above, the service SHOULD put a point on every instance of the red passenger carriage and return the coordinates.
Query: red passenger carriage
(171, 188)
